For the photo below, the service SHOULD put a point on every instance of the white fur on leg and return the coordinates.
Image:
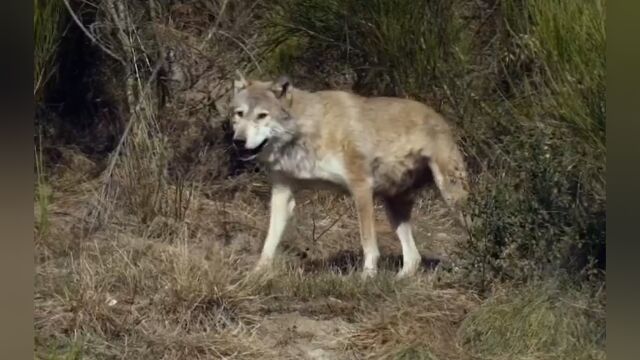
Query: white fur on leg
(371, 256)
(411, 258)
(282, 204)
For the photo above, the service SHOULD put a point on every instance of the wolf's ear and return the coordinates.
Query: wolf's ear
(239, 82)
(281, 86)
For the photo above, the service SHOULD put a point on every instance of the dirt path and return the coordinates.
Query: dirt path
(296, 336)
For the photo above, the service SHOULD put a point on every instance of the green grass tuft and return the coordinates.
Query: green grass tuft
(542, 321)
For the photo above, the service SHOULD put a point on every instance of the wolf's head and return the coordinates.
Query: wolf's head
(259, 115)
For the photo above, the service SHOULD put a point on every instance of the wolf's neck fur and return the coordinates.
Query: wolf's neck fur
(297, 158)
(293, 157)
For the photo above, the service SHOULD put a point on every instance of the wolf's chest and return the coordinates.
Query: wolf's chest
(300, 163)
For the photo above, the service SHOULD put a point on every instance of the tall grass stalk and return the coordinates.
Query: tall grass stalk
(43, 190)
(48, 17)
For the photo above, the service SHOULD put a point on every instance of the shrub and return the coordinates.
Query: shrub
(541, 198)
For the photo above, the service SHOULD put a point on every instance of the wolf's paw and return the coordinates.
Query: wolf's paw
(409, 268)
(368, 273)
(263, 266)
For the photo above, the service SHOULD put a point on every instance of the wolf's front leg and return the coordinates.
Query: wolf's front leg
(282, 204)
(363, 197)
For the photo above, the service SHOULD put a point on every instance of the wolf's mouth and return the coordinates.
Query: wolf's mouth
(250, 154)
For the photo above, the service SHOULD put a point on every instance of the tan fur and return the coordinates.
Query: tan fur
(371, 147)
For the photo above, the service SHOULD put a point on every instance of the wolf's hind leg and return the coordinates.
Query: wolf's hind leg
(398, 210)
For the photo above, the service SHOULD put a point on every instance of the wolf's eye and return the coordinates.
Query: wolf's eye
(239, 113)
(262, 116)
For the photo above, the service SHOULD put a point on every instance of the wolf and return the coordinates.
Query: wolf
(382, 148)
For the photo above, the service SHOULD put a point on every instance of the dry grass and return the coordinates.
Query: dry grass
(178, 288)
(419, 321)
(116, 294)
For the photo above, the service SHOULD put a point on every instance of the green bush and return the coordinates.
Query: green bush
(542, 196)
(524, 83)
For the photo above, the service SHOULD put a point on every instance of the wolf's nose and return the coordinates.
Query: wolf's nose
(239, 143)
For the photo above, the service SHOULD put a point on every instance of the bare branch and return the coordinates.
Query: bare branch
(255, 61)
(214, 28)
(89, 35)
